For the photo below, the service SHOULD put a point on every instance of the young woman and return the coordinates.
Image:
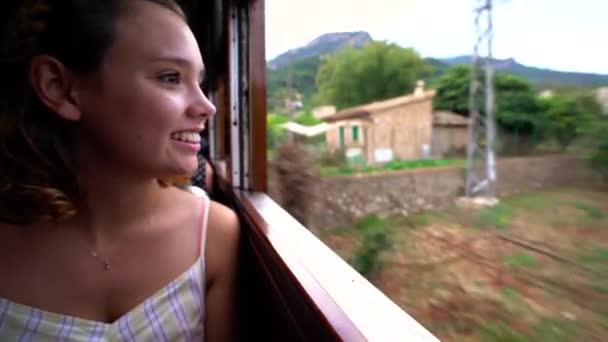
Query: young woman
(100, 113)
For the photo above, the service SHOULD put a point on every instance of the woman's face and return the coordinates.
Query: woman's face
(144, 108)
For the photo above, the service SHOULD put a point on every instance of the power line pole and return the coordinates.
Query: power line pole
(481, 161)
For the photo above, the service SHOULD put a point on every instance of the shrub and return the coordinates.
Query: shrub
(295, 179)
(375, 239)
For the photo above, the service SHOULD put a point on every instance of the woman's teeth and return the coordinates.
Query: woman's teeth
(190, 137)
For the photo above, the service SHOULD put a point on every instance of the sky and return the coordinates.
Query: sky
(566, 35)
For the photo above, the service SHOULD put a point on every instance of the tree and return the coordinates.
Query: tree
(595, 130)
(599, 158)
(453, 90)
(303, 73)
(517, 106)
(378, 71)
(568, 113)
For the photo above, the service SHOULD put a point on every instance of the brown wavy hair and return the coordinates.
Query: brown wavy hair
(38, 179)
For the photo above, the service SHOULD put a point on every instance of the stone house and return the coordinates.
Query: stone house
(395, 129)
(450, 134)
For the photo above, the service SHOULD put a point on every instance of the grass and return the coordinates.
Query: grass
(510, 294)
(553, 330)
(546, 330)
(596, 260)
(500, 332)
(595, 257)
(501, 215)
(498, 216)
(513, 294)
(532, 201)
(418, 220)
(521, 260)
(600, 287)
(390, 166)
(593, 213)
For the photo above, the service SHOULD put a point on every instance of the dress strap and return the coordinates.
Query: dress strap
(202, 235)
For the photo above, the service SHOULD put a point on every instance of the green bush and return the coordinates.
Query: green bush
(307, 119)
(276, 132)
(595, 130)
(599, 160)
(390, 166)
(375, 239)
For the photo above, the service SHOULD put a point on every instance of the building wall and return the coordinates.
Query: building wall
(333, 134)
(449, 139)
(332, 137)
(404, 129)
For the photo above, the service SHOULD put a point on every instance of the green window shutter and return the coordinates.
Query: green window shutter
(356, 133)
(341, 136)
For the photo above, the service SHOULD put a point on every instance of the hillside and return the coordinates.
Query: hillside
(299, 67)
(540, 76)
(322, 45)
(303, 73)
(305, 62)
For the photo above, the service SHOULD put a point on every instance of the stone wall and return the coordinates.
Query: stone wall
(342, 200)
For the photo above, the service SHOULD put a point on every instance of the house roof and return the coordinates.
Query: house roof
(449, 119)
(367, 110)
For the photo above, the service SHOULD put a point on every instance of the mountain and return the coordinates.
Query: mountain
(324, 44)
(541, 76)
(298, 67)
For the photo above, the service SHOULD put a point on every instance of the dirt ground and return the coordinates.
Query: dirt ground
(533, 268)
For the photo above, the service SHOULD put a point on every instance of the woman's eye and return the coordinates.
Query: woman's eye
(173, 78)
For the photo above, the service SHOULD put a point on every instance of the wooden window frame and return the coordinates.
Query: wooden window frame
(317, 293)
(350, 306)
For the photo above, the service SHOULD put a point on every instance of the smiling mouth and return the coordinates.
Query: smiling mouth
(187, 137)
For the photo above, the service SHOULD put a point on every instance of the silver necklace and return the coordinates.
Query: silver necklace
(104, 261)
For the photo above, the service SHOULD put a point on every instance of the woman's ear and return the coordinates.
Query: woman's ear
(54, 85)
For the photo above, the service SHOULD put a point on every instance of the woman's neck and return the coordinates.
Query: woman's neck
(113, 201)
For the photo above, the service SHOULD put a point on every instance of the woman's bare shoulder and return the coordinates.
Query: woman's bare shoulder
(223, 225)
(222, 221)
(223, 237)
(223, 229)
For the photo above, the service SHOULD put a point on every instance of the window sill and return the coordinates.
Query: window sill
(353, 307)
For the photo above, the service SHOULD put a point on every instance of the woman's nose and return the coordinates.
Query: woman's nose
(201, 105)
